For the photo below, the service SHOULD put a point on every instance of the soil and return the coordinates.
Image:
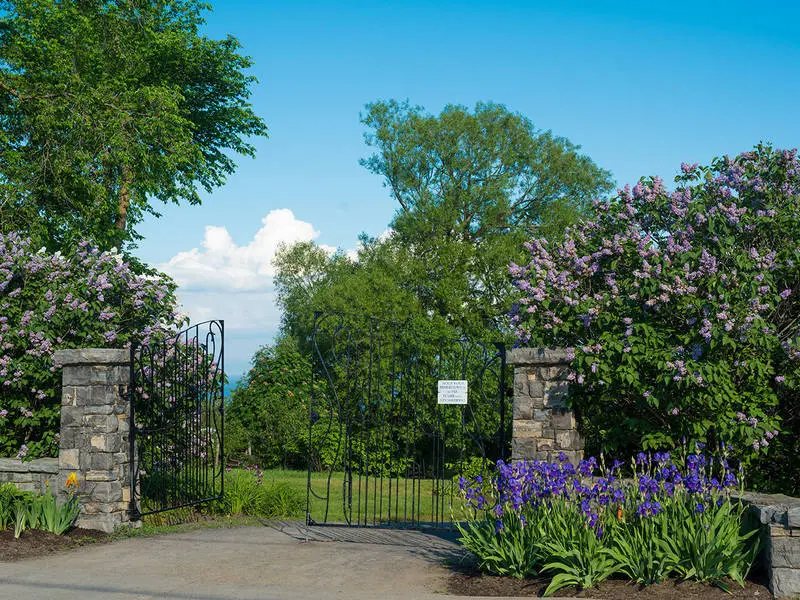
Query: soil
(478, 584)
(34, 542)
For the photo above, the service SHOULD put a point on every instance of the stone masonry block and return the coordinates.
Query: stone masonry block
(556, 395)
(102, 395)
(83, 376)
(101, 475)
(69, 459)
(123, 424)
(101, 423)
(109, 442)
(538, 356)
(536, 389)
(102, 522)
(564, 419)
(73, 437)
(107, 491)
(793, 517)
(556, 373)
(70, 416)
(523, 408)
(520, 384)
(569, 440)
(524, 428)
(574, 456)
(542, 415)
(102, 461)
(785, 583)
(85, 462)
(523, 448)
(69, 396)
(785, 552)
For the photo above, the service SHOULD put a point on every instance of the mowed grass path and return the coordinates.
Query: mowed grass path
(373, 501)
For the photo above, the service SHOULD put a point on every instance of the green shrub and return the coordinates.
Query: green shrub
(9, 495)
(56, 518)
(246, 494)
(679, 309)
(282, 500)
(83, 298)
(28, 511)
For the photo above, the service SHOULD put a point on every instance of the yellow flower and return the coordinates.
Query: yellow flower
(72, 480)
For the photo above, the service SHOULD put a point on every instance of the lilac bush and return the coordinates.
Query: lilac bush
(82, 298)
(584, 523)
(679, 307)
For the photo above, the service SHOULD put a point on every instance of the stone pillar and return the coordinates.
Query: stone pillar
(542, 425)
(94, 433)
(779, 516)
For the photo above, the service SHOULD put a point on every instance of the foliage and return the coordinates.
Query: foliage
(679, 306)
(10, 495)
(585, 524)
(53, 517)
(471, 186)
(108, 104)
(83, 298)
(380, 283)
(28, 511)
(247, 494)
(270, 407)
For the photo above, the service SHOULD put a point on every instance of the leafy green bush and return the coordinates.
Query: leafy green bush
(282, 500)
(28, 511)
(82, 298)
(10, 494)
(56, 518)
(247, 494)
(680, 308)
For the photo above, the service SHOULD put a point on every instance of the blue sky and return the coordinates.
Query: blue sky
(640, 86)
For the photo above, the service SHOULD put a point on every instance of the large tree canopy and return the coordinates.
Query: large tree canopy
(106, 105)
(472, 186)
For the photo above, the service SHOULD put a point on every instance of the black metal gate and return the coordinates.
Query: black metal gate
(177, 409)
(383, 449)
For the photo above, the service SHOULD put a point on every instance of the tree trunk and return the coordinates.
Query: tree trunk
(124, 198)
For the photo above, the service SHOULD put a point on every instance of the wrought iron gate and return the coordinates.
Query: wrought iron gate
(177, 408)
(383, 451)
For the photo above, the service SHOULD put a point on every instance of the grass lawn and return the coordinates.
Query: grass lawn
(373, 501)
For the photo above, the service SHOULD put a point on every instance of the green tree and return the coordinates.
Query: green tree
(271, 406)
(106, 105)
(378, 282)
(472, 186)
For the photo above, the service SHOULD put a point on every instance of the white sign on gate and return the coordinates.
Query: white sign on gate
(452, 391)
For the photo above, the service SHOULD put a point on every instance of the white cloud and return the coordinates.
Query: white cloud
(222, 265)
(222, 280)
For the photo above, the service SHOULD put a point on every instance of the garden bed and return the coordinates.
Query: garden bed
(35, 542)
(475, 583)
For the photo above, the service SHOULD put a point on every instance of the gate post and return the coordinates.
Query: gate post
(542, 426)
(94, 445)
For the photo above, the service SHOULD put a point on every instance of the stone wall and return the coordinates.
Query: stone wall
(779, 516)
(94, 444)
(542, 426)
(31, 476)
